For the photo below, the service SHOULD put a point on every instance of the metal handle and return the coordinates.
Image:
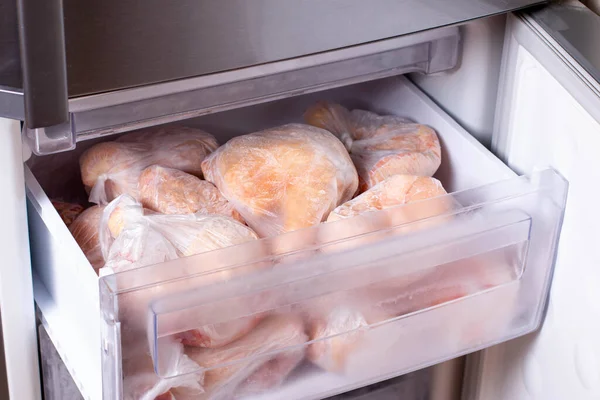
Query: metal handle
(43, 61)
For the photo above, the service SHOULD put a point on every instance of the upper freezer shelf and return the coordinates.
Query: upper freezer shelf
(324, 309)
(128, 109)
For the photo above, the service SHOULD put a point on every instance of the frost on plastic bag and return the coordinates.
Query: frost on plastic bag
(337, 333)
(253, 362)
(140, 382)
(170, 191)
(391, 193)
(380, 146)
(110, 169)
(395, 191)
(284, 178)
(132, 238)
(85, 230)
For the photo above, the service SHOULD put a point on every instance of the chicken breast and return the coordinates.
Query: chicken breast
(170, 191)
(245, 372)
(283, 178)
(380, 146)
(85, 229)
(110, 169)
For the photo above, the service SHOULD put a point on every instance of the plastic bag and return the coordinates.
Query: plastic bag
(85, 229)
(284, 178)
(131, 238)
(253, 365)
(170, 191)
(110, 169)
(392, 192)
(68, 211)
(380, 146)
(336, 334)
(140, 381)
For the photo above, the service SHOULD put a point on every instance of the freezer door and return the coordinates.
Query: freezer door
(549, 115)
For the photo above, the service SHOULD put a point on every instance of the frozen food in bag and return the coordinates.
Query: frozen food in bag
(254, 362)
(284, 178)
(140, 381)
(394, 191)
(86, 229)
(170, 191)
(68, 211)
(110, 169)
(132, 238)
(380, 146)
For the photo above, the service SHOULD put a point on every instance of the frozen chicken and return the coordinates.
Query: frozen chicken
(170, 191)
(140, 381)
(246, 371)
(68, 211)
(380, 146)
(126, 228)
(131, 238)
(218, 335)
(336, 335)
(85, 229)
(110, 169)
(284, 178)
(395, 191)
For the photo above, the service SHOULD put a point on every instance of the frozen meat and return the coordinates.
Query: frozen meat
(284, 178)
(85, 229)
(380, 146)
(170, 191)
(110, 169)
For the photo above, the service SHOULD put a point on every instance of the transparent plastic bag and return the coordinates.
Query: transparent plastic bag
(140, 381)
(131, 238)
(256, 374)
(68, 211)
(85, 229)
(170, 191)
(110, 169)
(341, 324)
(394, 191)
(284, 178)
(402, 196)
(380, 146)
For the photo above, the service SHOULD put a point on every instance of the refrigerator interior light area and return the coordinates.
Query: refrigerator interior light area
(516, 83)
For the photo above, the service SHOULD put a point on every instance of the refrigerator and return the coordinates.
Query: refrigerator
(512, 90)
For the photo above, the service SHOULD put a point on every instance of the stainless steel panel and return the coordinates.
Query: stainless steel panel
(115, 44)
(10, 62)
(43, 62)
(91, 116)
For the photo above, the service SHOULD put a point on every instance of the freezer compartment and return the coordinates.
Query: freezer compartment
(459, 273)
(390, 298)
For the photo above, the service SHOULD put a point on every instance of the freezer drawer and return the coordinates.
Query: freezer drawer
(408, 294)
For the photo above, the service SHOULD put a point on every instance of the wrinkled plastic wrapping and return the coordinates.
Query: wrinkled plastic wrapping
(284, 178)
(380, 146)
(341, 325)
(68, 211)
(395, 191)
(110, 169)
(141, 382)
(85, 230)
(257, 374)
(170, 191)
(131, 238)
(402, 196)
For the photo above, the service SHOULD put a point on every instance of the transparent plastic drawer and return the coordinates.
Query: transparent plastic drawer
(316, 312)
(360, 299)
